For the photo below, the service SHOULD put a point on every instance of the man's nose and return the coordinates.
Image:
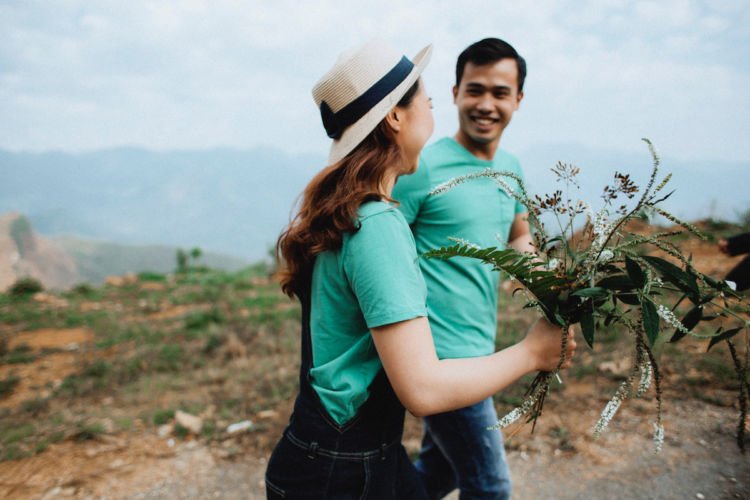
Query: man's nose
(485, 104)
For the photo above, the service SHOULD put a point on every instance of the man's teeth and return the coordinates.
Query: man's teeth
(484, 121)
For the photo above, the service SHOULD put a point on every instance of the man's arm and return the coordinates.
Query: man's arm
(520, 234)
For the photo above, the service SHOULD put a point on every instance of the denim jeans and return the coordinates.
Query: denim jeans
(458, 451)
(379, 474)
(317, 458)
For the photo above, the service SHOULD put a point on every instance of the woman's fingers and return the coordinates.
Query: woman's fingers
(571, 349)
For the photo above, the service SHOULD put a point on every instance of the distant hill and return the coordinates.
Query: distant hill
(62, 261)
(236, 202)
(25, 253)
(96, 260)
(227, 201)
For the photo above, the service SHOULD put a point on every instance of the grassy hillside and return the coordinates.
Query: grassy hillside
(124, 358)
(103, 360)
(97, 260)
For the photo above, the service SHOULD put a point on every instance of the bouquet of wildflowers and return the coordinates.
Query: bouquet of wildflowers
(600, 275)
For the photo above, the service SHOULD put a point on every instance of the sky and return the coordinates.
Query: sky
(77, 75)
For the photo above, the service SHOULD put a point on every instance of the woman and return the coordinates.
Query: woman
(349, 257)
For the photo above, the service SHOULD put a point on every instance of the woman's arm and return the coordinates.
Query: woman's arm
(427, 385)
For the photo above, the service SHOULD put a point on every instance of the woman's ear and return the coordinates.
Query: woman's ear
(394, 119)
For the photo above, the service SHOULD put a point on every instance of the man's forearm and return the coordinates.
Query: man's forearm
(523, 243)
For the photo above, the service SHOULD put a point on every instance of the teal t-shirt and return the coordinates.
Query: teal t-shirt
(461, 292)
(372, 280)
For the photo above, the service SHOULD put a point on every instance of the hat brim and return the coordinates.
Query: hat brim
(357, 132)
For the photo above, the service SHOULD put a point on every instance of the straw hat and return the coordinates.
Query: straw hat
(362, 87)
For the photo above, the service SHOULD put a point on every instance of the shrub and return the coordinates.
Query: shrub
(212, 343)
(161, 417)
(15, 434)
(152, 276)
(170, 358)
(200, 319)
(25, 286)
(180, 431)
(21, 354)
(87, 432)
(82, 289)
(7, 385)
(97, 369)
(35, 406)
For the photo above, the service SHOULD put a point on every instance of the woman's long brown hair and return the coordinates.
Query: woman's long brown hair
(331, 200)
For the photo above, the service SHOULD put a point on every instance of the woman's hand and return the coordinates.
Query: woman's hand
(543, 343)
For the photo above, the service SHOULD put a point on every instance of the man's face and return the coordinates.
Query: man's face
(486, 99)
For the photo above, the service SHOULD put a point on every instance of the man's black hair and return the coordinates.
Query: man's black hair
(488, 51)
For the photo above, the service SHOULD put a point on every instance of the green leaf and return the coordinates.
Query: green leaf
(544, 285)
(723, 336)
(610, 318)
(650, 319)
(594, 291)
(587, 324)
(617, 282)
(683, 280)
(635, 272)
(630, 299)
(692, 318)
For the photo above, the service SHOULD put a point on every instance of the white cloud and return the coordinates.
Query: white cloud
(200, 74)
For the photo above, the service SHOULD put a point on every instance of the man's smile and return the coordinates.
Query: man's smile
(484, 121)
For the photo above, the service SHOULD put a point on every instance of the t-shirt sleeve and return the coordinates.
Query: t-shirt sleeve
(382, 269)
(410, 191)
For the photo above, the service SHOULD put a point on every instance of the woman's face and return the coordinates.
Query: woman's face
(417, 127)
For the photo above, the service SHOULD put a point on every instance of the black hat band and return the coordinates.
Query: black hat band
(336, 123)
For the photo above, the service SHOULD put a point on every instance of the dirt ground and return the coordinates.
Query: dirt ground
(699, 459)
(561, 460)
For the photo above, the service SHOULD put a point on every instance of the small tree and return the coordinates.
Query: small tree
(182, 260)
(25, 286)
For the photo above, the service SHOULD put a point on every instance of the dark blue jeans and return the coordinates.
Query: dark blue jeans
(459, 452)
(362, 459)
(385, 473)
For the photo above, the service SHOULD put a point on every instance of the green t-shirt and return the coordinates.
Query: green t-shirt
(372, 280)
(461, 292)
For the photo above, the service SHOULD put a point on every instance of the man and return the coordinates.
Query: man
(457, 449)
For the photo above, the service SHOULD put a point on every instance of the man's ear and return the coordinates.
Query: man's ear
(518, 101)
(394, 119)
(455, 93)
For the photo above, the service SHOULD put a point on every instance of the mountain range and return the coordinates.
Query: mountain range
(236, 202)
